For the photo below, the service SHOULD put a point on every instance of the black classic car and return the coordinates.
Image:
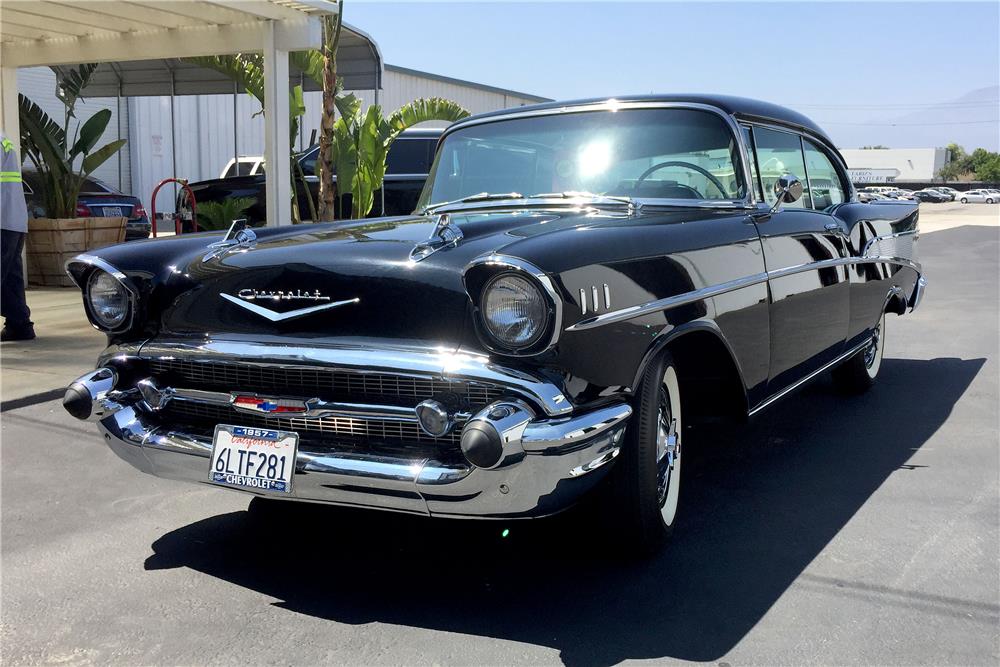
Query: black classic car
(407, 164)
(581, 279)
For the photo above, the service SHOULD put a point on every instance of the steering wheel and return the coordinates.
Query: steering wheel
(687, 165)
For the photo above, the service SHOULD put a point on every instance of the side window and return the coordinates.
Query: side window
(409, 156)
(825, 186)
(780, 153)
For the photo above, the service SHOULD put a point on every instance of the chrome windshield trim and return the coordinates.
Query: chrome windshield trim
(581, 203)
(613, 105)
(367, 357)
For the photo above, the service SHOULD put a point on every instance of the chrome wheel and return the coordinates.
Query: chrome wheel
(873, 353)
(668, 446)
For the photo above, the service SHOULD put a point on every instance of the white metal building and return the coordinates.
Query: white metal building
(206, 126)
(912, 164)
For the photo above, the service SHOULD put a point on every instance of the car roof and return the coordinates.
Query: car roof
(741, 107)
(421, 132)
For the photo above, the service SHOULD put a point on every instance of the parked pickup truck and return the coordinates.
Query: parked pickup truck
(409, 161)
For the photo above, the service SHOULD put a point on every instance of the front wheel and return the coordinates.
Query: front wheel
(857, 374)
(964, 200)
(989, 201)
(645, 485)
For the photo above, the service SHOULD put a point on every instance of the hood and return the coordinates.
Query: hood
(344, 280)
(350, 280)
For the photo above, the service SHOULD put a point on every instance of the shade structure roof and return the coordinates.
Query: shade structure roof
(359, 67)
(141, 44)
(62, 33)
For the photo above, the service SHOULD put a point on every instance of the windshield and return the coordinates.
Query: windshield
(642, 153)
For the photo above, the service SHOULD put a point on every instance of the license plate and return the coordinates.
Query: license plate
(113, 212)
(256, 459)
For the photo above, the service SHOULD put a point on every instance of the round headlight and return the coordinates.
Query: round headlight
(109, 303)
(514, 310)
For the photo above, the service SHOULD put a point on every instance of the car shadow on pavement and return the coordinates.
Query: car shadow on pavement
(760, 501)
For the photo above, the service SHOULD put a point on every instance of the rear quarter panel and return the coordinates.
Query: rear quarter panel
(884, 238)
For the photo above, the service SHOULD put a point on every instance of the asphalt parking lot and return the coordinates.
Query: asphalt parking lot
(829, 530)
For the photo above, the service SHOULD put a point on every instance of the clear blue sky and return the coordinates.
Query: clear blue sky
(868, 72)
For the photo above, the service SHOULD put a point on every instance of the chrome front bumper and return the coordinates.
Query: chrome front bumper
(918, 293)
(549, 461)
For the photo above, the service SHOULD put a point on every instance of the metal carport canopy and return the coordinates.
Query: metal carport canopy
(139, 43)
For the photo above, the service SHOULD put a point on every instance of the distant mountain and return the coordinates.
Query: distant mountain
(962, 121)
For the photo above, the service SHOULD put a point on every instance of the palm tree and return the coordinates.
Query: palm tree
(247, 69)
(362, 141)
(359, 141)
(46, 146)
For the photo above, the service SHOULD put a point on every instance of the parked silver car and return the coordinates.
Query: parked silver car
(978, 197)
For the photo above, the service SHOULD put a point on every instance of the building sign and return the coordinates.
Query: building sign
(872, 175)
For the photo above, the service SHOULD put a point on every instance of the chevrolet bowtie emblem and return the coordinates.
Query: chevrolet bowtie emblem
(255, 403)
(245, 298)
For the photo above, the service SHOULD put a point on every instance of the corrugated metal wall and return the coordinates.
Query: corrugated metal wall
(204, 126)
(39, 85)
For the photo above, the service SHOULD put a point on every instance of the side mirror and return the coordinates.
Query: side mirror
(787, 189)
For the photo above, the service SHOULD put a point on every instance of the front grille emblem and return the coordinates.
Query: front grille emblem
(254, 403)
(245, 298)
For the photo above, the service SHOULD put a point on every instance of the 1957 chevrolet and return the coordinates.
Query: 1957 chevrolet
(579, 280)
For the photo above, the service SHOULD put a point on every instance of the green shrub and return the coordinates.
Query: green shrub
(220, 215)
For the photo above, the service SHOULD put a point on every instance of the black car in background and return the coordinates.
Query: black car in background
(927, 196)
(408, 163)
(97, 199)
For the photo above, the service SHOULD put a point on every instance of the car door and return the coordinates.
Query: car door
(804, 251)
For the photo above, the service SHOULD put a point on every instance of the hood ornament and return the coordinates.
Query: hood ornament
(446, 234)
(239, 237)
(245, 299)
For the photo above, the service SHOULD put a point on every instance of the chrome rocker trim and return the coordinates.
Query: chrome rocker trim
(792, 387)
(547, 470)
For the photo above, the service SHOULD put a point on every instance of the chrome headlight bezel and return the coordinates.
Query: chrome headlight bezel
(483, 273)
(522, 282)
(124, 323)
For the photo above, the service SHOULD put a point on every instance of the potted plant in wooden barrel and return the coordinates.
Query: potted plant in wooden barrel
(62, 166)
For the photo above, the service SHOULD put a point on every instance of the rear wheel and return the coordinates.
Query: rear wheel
(858, 373)
(646, 483)
(964, 200)
(989, 201)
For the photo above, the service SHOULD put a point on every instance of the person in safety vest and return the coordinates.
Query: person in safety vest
(13, 230)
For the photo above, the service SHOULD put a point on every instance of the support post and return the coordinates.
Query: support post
(9, 119)
(236, 139)
(277, 143)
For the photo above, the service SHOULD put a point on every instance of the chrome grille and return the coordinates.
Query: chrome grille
(331, 384)
(341, 430)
